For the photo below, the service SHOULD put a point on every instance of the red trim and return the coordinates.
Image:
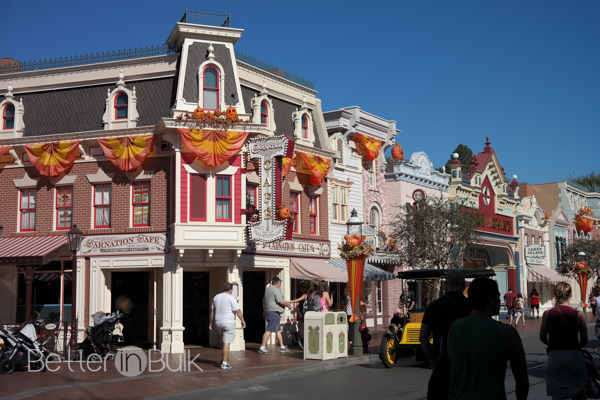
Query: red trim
(102, 205)
(29, 209)
(264, 116)
(118, 107)
(295, 209)
(313, 209)
(6, 118)
(204, 87)
(142, 185)
(65, 190)
(223, 197)
(197, 196)
(304, 126)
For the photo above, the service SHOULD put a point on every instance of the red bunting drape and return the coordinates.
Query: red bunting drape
(367, 146)
(213, 147)
(318, 167)
(4, 149)
(286, 164)
(356, 269)
(127, 153)
(52, 159)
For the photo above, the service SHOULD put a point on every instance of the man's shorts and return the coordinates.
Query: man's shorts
(227, 331)
(511, 311)
(273, 321)
(536, 306)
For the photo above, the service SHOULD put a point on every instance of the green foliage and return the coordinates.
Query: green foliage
(436, 235)
(591, 180)
(591, 248)
(464, 156)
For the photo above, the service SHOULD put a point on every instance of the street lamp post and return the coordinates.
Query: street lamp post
(354, 226)
(74, 238)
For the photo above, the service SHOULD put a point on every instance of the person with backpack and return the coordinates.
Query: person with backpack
(519, 304)
(303, 305)
(322, 301)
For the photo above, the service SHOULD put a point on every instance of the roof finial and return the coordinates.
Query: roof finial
(10, 89)
(487, 141)
(120, 82)
(211, 55)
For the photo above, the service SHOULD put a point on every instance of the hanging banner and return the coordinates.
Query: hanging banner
(213, 147)
(267, 150)
(286, 164)
(356, 271)
(127, 153)
(318, 167)
(367, 146)
(4, 149)
(52, 159)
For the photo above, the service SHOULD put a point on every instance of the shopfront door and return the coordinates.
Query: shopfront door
(134, 286)
(196, 308)
(254, 291)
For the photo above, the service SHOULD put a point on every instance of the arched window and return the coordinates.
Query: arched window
(304, 127)
(121, 102)
(211, 88)
(8, 117)
(374, 219)
(264, 113)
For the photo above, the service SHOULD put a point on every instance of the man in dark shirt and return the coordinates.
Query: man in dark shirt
(453, 305)
(509, 303)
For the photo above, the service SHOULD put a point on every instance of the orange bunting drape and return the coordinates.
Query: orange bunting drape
(367, 146)
(356, 269)
(213, 147)
(582, 274)
(286, 164)
(4, 149)
(127, 153)
(52, 159)
(318, 167)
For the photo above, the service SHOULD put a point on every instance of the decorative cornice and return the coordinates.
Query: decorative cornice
(315, 151)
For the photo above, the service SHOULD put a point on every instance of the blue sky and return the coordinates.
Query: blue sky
(526, 73)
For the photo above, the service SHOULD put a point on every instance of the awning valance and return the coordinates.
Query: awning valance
(539, 273)
(372, 273)
(32, 250)
(311, 268)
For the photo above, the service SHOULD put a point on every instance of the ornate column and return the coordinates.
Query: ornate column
(172, 320)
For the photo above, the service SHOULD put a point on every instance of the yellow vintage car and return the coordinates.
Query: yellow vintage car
(426, 285)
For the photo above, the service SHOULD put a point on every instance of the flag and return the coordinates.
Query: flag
(318, 167)
(127, 153)
(213, 147)
(52, 159)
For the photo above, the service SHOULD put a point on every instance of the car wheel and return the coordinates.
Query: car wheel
(387, 351)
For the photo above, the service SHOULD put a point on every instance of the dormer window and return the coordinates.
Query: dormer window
(211, 88)
(304, 127)
(121, 103)
(8, 117)
(264, 113)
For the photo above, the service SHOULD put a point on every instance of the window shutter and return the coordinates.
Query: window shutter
(197, 197)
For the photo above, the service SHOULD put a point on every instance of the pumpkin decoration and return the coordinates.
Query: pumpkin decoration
(231, 113)
(199, 112)
(351, 241)
(284, 212)
(218, 113)
(397, 152)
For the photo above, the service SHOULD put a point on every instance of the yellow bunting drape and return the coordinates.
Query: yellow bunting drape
(356, 269)
(318, 167)
(4, 149)
(286, 164)
(127, 153)
(582, 272)
(213, 147)
(52, 159)
(367, 146)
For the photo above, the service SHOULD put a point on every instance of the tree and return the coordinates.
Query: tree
(436, 234)
(464, 156)
(591, 180)
(591, 248)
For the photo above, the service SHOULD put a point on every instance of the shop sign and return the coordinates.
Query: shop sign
(535, 254)
(122, 245)
(373, 240)
(299, 248)
(269, 151)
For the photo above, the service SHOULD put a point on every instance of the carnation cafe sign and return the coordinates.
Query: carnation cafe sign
(300, 248)
(535, 254)
(268, 151)
(111, 245)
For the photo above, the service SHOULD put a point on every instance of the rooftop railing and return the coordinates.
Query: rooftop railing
(586, 188)
(255, 62)
(204, 18)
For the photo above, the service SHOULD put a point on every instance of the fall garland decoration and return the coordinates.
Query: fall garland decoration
(355, 247)
(217, 117)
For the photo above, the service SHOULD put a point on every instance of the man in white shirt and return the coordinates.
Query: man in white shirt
(222, 315)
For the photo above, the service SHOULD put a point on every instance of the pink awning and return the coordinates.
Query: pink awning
(32, 250)
(312, 268)
(539, 273)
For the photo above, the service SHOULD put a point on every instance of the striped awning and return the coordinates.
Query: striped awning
(539, 273)
(372, 273)
(32, 250)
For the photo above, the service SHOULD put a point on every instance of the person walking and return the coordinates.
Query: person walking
(273, 306)
(519, 309)
(564, 330)
(453, 305)
(479, 348)
(222, 316)
(509, 303)
(534, 302)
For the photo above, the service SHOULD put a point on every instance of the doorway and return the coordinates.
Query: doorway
(254, 291)
(196, 308)
(134, 286)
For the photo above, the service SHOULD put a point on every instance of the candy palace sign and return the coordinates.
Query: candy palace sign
(535, 254)
(302, 248)
(110, 245)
